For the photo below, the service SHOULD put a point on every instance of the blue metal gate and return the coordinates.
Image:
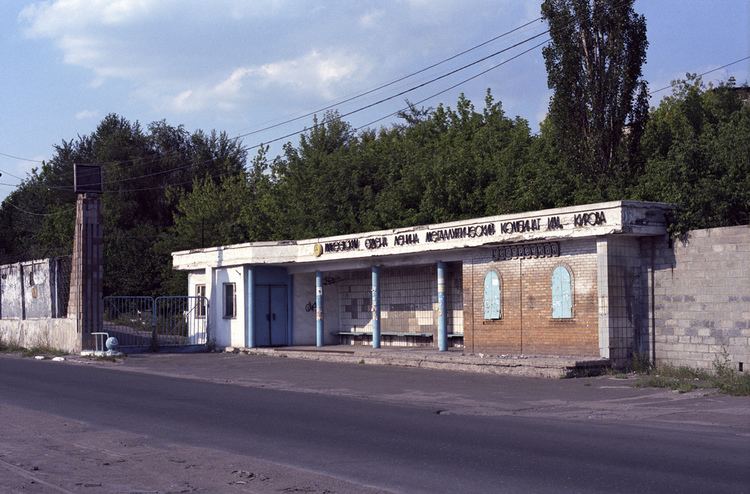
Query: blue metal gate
(148, 323)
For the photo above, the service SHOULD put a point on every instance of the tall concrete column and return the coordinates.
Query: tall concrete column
(319, 336)
(87, 273)
(250, 309)
(442, 309)
(376, 306)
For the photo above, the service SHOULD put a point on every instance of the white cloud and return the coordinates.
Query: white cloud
(371, 18)
(86, 114)
(313, 74)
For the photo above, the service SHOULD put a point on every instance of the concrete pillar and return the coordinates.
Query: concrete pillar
(87, 271)
(376, 306)
(602, 287)
(210, 298)
(250, 309)
(442, 309)
(319, 336)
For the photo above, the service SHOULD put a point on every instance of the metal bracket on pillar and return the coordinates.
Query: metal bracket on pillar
(376, 306)
(318, 308)
(442, 312)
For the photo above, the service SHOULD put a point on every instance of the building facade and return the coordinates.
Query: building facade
(568, 281)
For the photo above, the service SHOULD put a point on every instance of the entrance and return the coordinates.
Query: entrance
(271, 319)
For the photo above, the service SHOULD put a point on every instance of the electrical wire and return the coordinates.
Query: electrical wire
(352, 112)
(345, 100)
(705, 73)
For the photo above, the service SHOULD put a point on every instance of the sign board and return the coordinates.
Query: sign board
(87, 178)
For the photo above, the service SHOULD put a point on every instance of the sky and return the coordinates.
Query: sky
(238, 66)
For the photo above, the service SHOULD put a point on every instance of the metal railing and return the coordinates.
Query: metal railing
(148, 322)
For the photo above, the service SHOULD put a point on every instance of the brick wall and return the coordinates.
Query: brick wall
(702, 298)
(526, 325)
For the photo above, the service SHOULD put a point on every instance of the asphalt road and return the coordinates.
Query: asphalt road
(404, 448)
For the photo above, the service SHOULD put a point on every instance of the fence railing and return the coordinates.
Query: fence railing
(148, 322)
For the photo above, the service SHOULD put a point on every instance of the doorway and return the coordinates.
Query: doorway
(271, 316)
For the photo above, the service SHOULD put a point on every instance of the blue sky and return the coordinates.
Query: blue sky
(240, 65)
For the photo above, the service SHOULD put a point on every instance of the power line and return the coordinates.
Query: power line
(705, 73)
(345, 100)
(387, 84)
(21, 158)
(6, 201)
(352, 112)
(215, 175)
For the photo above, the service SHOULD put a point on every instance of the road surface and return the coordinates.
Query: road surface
(370, 444)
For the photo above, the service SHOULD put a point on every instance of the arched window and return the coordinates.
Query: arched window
(492, 296)
(562, 293)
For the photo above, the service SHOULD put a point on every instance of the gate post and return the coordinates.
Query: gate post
(154, 335)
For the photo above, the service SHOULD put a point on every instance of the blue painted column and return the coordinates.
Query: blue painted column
(442, 312)
(318, 308)
(250, 313)
(376, 306)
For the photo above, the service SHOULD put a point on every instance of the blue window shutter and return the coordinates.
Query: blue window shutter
(562, 299)
(491, 296)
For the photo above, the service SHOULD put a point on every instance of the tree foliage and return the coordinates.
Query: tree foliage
(599, 106)
(167, 189)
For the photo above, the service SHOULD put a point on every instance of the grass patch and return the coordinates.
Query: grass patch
(685, 379)
(7, 347)
(42, 350)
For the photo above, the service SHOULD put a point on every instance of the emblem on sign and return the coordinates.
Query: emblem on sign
(317, 250)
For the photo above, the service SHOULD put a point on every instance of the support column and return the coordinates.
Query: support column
(602, 286)
(318, 308)
(376, 306)
(442, 313)
(210, 296)
(250, 309)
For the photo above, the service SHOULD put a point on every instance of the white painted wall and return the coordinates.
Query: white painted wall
(224, 331)
(303, 321)
(230, 331)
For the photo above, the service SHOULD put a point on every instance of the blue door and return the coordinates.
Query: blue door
(271, 315)
(262, 315)
(278, 316)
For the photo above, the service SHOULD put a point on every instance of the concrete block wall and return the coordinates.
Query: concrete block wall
(702, 298)
(526, 325)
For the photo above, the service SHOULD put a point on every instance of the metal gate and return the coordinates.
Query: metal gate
(153, 323)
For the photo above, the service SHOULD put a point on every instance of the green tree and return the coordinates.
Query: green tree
(599, 102)
(697, 151)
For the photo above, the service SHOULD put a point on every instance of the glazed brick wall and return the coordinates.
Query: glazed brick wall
(527, 326)
(702, 298)
(408, 299)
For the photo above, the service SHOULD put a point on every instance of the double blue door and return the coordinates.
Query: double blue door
(271, 318)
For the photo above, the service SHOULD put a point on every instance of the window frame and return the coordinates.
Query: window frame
(571, 285)
(200, 310)
(499, 296)
(224, 287)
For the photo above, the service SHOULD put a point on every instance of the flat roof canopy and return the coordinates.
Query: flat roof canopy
(589, 220)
